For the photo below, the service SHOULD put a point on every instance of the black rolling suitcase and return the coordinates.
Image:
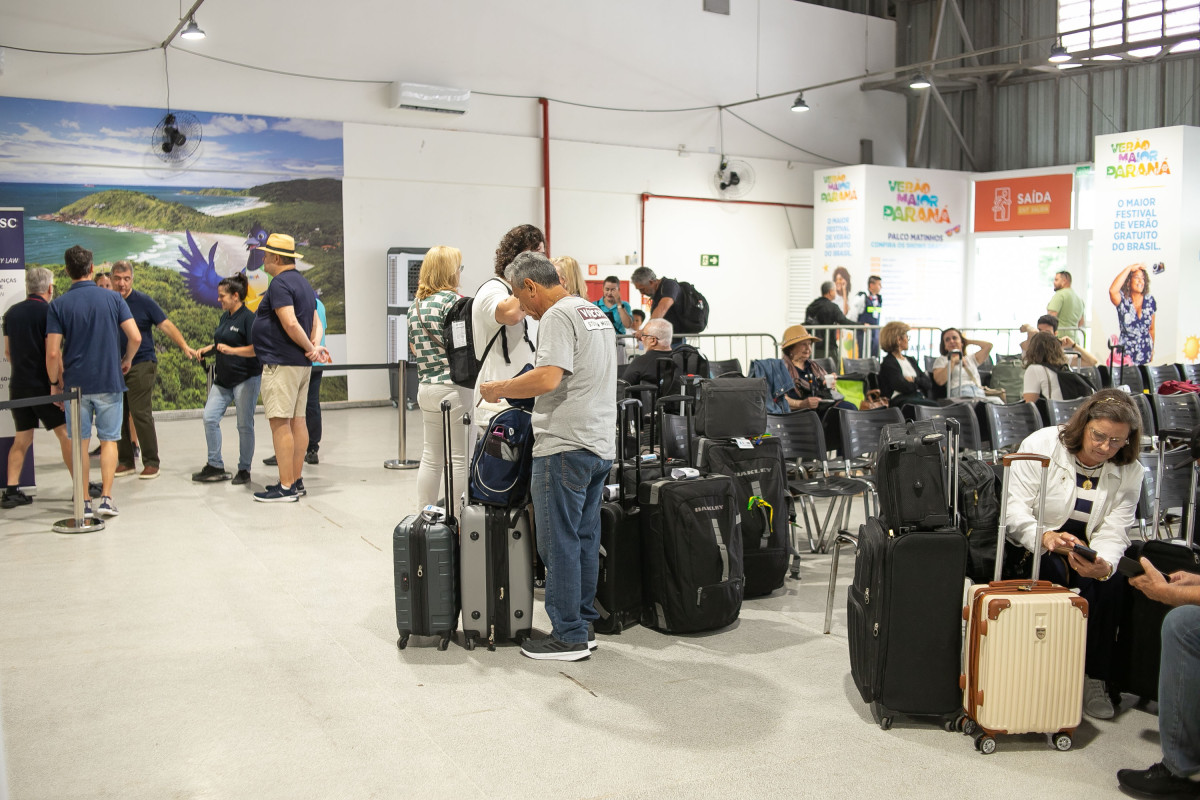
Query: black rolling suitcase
(619, 599)
(691, 549)
(1139, 637)
(905, 616)
(760, 488)
(424, 549)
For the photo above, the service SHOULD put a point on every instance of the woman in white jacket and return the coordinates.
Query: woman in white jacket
(1091, 492)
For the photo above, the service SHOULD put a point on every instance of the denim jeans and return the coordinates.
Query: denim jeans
(1179, 691)
(567, 491)
(244, 396)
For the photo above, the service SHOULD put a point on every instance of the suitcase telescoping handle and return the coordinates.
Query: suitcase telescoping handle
(1002, 528)
(448, 471)
(953, 443)
(685, 405)
(1165, 434)
(623, 420)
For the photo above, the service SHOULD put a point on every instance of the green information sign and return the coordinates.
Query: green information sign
(710, 261)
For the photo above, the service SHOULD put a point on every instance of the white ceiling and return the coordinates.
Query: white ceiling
(646, 54)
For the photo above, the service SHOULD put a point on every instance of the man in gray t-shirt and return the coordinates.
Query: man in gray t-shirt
(574, 423)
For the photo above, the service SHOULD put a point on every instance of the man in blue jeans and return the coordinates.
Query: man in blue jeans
(574, 381)
(1178, 774)
(83, 330)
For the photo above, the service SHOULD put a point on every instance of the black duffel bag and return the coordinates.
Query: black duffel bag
(731, 407)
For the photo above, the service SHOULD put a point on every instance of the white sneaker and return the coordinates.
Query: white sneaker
(107, 507)
(1096, 702)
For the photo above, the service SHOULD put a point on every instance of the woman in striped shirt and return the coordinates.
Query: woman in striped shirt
(437, 291)
(1092, 490)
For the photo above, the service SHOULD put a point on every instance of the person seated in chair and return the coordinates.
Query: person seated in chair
(901, 381)
(1043, 358)
(656, 336)
(958, 371)
(1048, 323)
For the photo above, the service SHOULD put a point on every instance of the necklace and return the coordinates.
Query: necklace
(1088, 472)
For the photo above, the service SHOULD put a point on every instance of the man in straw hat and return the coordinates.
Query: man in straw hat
(286, 335)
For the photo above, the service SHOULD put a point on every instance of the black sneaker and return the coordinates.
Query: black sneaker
(277, 494)
(299, 487)
(552, 649)
(242, 477)
(271, 461)
(13, 498)
(210, 474)
(1157, 782)
(591, 636)
(311, 457)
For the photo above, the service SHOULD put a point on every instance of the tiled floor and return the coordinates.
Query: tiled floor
(206, 646)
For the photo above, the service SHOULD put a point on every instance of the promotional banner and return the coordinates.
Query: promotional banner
(1142, 258)
(12, 291)
(906, 226)
(1034, 202)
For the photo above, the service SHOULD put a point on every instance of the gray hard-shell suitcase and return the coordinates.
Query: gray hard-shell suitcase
(496, 574)
(423, 555)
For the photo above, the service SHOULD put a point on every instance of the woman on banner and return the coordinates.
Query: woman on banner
(841, 290)
(1130, 293)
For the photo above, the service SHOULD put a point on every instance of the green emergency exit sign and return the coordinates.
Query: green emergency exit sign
(710, 261)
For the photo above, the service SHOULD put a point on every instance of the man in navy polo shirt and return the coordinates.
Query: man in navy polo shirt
(140, 379)
(83, 349)
(25, 349)
(286, 334)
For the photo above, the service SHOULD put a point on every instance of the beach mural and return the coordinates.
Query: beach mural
(87, 174)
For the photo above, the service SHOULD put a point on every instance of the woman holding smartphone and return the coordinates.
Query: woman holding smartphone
(1092, 489)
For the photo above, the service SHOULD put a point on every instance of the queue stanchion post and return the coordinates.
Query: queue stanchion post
(401, 461)
(78, 523)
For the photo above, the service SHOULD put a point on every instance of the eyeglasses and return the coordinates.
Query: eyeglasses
(1099, 439)
(461, 267)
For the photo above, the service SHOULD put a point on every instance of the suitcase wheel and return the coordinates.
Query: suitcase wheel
(402, 642)
(470, 643)
(444, 643)
(1061, 741)
(968, 726)
(985, 744)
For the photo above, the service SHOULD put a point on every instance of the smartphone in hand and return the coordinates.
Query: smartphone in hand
(1130, 568)
(1085, 552)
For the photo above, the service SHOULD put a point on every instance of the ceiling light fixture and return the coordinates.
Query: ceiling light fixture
(919, 81)
(192, 31)
(799, 105)
(1059, 54)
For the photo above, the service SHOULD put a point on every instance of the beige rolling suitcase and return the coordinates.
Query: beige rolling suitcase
(1024, 649)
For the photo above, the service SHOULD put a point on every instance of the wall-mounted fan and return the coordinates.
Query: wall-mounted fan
(176, 137)
(733, 179)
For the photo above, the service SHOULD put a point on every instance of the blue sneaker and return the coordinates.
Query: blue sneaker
(107, 507)
(299, 487)
(277, 494)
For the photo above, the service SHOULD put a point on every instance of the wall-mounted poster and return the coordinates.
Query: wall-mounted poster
(1032, 202)
(99, 176)
(1144, 261)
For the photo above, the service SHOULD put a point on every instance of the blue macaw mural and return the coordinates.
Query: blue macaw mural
(200, 269)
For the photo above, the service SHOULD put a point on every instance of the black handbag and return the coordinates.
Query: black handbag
(730, 407)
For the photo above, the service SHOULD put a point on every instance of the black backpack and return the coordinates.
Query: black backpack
(683, 361)
(979, 515)
(691, 310)
(458, 334)
(1072, 385)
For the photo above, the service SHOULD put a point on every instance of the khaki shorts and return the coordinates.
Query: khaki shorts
(285, 391)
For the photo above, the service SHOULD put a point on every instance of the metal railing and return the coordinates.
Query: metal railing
(745, 347)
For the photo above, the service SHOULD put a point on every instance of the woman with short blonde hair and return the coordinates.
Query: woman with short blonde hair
(440, 271)
(570, 275)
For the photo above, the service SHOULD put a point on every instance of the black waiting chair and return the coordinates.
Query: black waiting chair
(729, 368)
(802, 437)
(861, 431)
(1178, 412)
(827, 364)
(1155, 376)
(1092, 374)
(1149, 428)
(968, 425)
(1009, 425)
(1191, 373)
(1128, 375)
(1059, 412)
(860, 366)
(1105, 376)
(1175, 492)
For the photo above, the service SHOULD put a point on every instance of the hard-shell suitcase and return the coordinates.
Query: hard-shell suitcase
(1023, 656)
(496, 574)
(1139, 637)
(691, 550)
(424, 546)
(911, 469)
(619, 600)
(904, 613)
(760, 488)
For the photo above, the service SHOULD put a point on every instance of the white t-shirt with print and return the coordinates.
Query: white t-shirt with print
(484, 326)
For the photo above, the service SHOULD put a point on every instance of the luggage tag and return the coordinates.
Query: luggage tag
(743, 443)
